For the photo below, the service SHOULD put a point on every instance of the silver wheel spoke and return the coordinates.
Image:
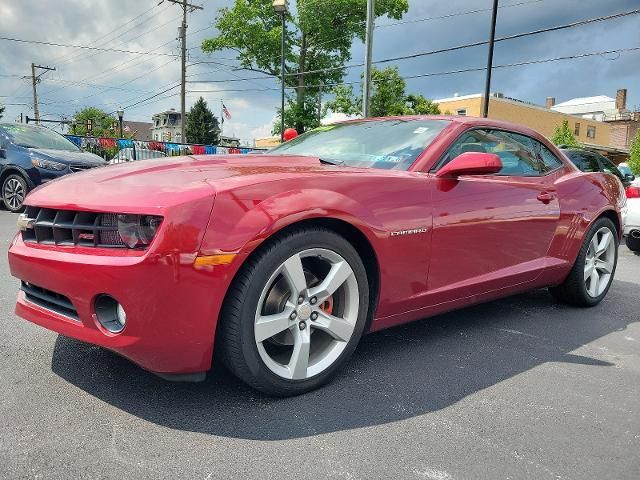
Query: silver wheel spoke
(338, 328)
(339, 273)
(300, 357)
(605, 241)
(588, 268)
(293, 272)
(269, 325)
(594, 279)
(603, 266)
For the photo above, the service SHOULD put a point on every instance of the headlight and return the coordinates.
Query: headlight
(48, 164)
(138, 230)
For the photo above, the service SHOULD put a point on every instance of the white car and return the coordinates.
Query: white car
(126, 155)
(632, 221)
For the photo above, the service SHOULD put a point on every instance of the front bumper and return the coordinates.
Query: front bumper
(172, 307)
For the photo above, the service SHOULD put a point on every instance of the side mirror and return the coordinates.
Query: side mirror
(3, 153)
(630, 177)
(471, 163)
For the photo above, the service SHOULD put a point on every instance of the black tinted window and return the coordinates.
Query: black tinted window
(585, 161)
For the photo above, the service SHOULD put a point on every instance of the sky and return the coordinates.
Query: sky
(110, 80)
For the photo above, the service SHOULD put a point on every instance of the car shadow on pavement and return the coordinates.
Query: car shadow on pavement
(394, 375)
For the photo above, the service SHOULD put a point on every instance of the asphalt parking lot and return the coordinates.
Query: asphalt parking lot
(519, 388)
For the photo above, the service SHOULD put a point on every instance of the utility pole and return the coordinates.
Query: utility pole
(366, 92)
(492, 36)
(34, 80)
(183, 47)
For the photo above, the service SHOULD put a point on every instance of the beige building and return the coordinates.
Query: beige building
(541, 119)
(267, 142)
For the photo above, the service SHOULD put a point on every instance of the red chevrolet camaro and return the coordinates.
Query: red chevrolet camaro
(282, 261)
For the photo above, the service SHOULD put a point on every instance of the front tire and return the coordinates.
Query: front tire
(14, 191)
(295, 312)
(592, 273)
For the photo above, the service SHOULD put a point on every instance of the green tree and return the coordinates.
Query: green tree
(388, 97)
(563, 135)
(319, 37)
(634, 154)
(202, 124)
(102, 123)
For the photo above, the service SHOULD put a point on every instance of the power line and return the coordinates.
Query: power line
(86, 47)
(428, 19)
(449, 72)
(68, 57)
(480, 43)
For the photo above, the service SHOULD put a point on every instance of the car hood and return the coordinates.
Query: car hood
(69, 157)
(136, 187)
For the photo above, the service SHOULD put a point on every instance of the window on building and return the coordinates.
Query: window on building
(591, 132)
(462, 112)
(577, 129)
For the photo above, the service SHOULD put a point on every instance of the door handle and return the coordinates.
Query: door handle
(546, 197)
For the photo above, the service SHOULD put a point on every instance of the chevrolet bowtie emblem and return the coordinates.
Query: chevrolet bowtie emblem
(25, 222)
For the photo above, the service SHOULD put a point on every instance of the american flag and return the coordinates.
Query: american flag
(226, 112)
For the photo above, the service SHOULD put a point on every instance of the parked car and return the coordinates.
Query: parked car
(589, 161)
(32, 155)
(127, 154)
(282, 261)
(626, 171)
(632, 220)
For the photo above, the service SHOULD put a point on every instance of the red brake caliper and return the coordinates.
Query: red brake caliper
(327, 305)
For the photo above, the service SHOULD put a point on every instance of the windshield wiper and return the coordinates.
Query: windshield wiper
(331, 162)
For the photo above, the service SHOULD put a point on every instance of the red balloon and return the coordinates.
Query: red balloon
(290, 134)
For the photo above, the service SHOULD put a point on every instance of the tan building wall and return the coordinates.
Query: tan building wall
(533, 116)
(267, 142)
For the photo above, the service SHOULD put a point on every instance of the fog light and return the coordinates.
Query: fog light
(110, 313)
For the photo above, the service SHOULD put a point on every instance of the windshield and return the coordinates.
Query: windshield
(34, 137)
(387, 144)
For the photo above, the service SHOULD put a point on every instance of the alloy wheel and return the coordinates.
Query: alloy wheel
(599, 262)
(306, 314)
(14, 193)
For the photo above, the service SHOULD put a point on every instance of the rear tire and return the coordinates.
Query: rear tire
(14, 191)
(295, 312)
(592, 273)
(633, 244)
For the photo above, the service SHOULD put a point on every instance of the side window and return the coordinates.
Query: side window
(608, 166)
(584, 161)
(549, 161)
(517, 152)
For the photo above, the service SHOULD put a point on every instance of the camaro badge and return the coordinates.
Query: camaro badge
(411, 231)
(25, 222)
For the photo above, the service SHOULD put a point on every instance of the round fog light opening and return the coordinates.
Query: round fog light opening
(110, 313)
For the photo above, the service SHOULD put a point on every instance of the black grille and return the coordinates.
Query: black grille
(68, 227)
(79, 167)
(50, 300)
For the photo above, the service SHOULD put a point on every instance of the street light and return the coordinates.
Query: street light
(280, 7)
(120, 115)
